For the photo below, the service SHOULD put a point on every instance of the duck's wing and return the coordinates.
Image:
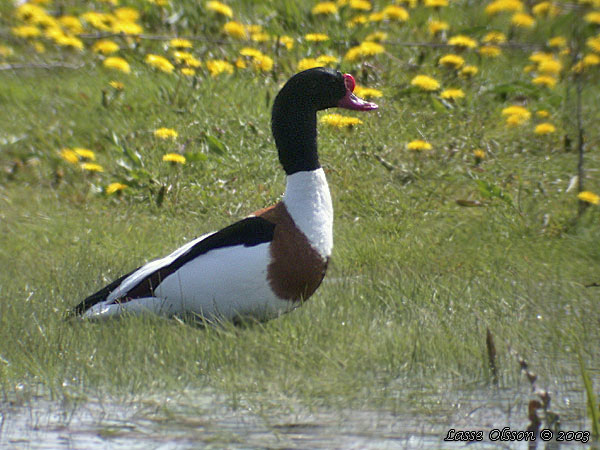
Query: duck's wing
(142, 282)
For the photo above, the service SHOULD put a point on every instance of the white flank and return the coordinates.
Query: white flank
(133, 279)
(221, 284)
(308, 201)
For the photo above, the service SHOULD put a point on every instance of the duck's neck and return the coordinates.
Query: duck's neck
(295, 130)
(308, 202)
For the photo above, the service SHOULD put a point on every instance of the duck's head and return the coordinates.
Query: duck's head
(321, 88)
(294, 119)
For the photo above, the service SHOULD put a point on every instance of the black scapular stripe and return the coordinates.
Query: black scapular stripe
(247, 232)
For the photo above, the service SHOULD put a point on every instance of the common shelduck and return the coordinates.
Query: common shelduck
(269, 262)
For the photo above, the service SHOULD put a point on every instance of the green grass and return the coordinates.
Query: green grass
(415, 279)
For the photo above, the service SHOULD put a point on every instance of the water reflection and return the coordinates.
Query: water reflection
(194, 420)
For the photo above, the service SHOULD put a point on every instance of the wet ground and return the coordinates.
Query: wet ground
(200, 420)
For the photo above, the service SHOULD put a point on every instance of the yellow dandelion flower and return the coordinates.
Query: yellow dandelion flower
(516, 115)
(377, 36)
(100, 21)
(360, 5)
(287, 41)
(166, 133)
(361, 19)
(376, 17)
(499, 6)
(252, 28)
(174, 158)
(85, 153)
(69, 155)
(92, 167)
(180, 43)
(27, 12)
(122, 26)
(515, 120)
(542, 113)
(365, 92)
(452, 61)
(44, 21)
(364, 50)
(188, 71)
(469, 71)
(127, 14)
(490, 51)
(437, 26)
(113, 188)
(591, 60)
(594, 43)
(251, 52)
(549, 66)
(116, 85)
(479, 155)
(320, 61)
(419, 145)
(159, 62)
(425, 83)
(26, 31)
(219, 8)
(324, 8)
(308, 63)
(557, 42)
(105, 46)
(436, 3)
(217, 67)
(263, 63)
(65, 40)
(316, 37)
(71, 24)
(240, 63)
(115, 62)
(260, 37)
(544, 128)
(592, 17)
(327, 60)
(522, 20)
(339, 121)
(236, 30)
(589, 197)
(538, 57)
(545, 9)
(393, 12)
(494, 37)
(186, 58)
(452, 94)
(516, 110)
(462, 41)
(545, 80)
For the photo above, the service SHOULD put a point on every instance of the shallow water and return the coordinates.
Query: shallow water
(194, 420)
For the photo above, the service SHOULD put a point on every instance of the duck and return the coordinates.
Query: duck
(267, 263)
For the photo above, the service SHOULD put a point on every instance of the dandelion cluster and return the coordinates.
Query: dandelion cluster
(453, 69)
